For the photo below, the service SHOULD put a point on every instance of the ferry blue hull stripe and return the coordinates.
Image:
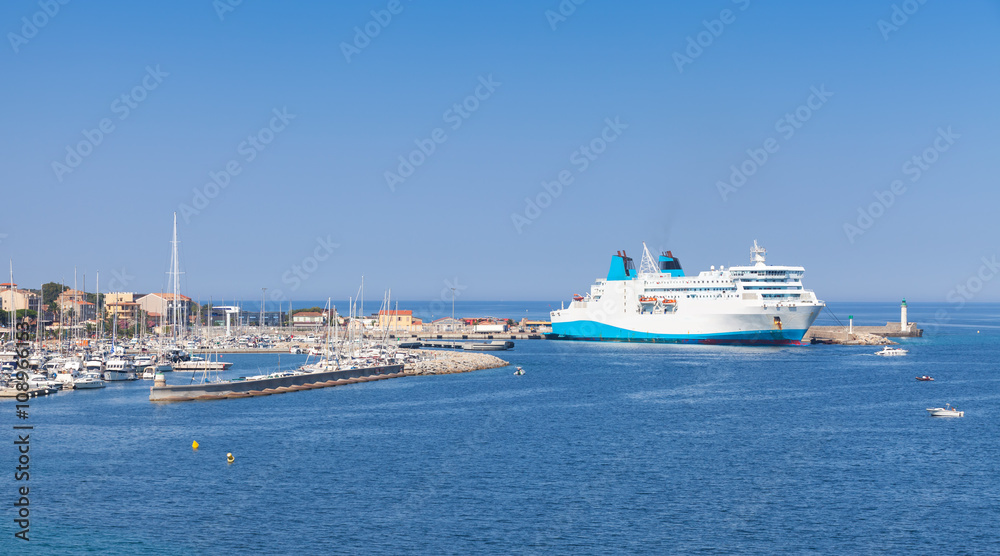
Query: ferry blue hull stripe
(590, 330)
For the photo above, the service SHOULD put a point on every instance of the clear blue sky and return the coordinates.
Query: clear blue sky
(211, 82)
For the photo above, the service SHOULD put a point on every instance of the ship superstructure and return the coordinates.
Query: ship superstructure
(753, 304)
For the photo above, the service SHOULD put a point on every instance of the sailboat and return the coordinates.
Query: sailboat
(190, 365)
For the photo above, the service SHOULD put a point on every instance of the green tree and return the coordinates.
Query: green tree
(51, 291)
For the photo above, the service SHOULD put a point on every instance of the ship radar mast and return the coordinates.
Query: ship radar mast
(757, 254)
(647, 265)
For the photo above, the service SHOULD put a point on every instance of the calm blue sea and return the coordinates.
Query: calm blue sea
(598, 448)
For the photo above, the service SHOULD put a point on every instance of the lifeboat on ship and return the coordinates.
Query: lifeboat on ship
(577, 297)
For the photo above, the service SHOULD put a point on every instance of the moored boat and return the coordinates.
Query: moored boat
(118, 368)
(87, 382)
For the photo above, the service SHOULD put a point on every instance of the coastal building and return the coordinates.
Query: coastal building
(398, 320)
(81, 310)
(164, 304)
(74, 302)
(535, 325)
(308, 318)
(113, 298)
(446, 324)
(122, 305)
(68, 297)
(11, 296)
(123, 310)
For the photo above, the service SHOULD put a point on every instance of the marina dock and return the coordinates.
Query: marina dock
(31, 393)
(467, 345)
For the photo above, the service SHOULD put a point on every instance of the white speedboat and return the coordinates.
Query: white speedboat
(87, 382)
(891, 352)
(947, 411)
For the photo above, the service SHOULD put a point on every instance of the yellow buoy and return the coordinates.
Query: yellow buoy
(230, 458)
(194, 445)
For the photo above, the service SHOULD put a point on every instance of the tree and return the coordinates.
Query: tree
(51, 291)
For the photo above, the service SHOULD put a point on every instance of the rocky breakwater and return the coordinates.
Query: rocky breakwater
(867, 340)
(448, 362)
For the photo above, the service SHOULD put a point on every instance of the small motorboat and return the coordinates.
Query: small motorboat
(947, 411)
(924, 378)
(519, 371)
(88, 381)
(891, 352)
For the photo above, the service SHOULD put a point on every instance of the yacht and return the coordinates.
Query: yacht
(118, 368)
(891, 352)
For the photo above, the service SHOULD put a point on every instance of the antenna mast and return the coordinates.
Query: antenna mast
(647, 265)
(757, 254)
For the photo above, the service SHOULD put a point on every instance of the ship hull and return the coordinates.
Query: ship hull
(613, 334)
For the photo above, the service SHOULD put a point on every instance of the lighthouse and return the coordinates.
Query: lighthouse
(902, 317)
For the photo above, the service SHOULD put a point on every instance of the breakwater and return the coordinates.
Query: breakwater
(861, 335)
(449, 362)
(428, 363)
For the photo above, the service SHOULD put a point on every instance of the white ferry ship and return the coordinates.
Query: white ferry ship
(755, 304)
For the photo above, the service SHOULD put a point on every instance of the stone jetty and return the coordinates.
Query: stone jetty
(448, 362)
(861, 335)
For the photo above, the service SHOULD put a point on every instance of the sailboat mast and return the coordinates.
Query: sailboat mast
(97, 308)
(74, 317)
(13, 309)
(41, 309)
(174, 275)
